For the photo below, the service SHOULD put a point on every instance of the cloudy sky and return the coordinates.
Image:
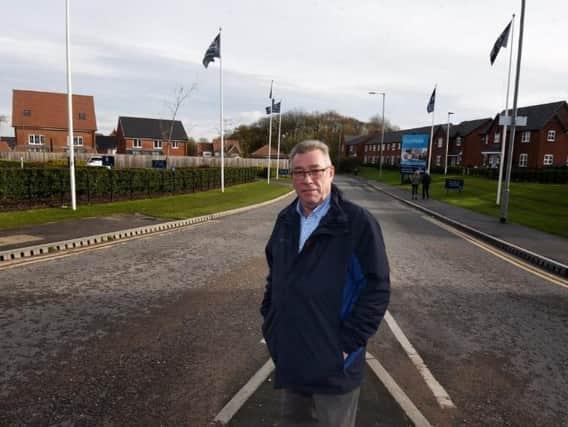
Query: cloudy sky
(131, 55)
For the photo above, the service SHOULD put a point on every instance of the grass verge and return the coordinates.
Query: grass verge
(540, 206)
(171, 207)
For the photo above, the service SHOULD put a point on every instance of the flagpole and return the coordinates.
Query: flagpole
(431, 133)
(279, 130)
(269, 144)
(70, 113)
(504, 143)
(505, 204)
(221, 107)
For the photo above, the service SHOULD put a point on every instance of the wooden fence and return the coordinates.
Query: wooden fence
(125, 161)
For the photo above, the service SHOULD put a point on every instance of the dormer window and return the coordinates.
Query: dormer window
(82, 116)
(551, 136)
(27, 113)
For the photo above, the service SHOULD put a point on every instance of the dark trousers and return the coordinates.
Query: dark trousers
(323, 410)
(426, 191)
(414, 191)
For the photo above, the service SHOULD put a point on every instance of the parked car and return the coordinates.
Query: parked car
(101, 161)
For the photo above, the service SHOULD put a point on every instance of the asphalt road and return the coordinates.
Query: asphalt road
(164, 330)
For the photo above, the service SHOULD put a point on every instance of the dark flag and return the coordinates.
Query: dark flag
(268, 110)
(214, 51)
(432, 102)
(270, 94)
(501, 41)
(276, 107)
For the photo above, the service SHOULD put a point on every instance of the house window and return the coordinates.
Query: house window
(497, 138)
(440, 142)
(27, 113)
(82, 116)
(526, 136)
(438, 160)
(157, 144)
(458, 141)
(366, 149)
(175, 144)
(484, 139)
(77, 140)
(551, 136)
(523, 160)
(136, 143)
(365, 159)
(548, 160)
(36, 139)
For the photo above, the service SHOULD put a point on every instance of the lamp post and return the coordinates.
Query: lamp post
(447, 144)
(382, 132)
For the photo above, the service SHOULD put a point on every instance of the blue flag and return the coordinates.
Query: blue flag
(432, 102)
(214, 51)
(501, 41)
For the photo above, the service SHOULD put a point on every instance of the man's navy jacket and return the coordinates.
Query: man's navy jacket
(325, 300)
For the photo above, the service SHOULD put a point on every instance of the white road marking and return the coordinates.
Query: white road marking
(503, 255)
(439, 392)
(244, 393)
(397, 393)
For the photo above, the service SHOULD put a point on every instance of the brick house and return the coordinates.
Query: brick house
(7, 143)
(138, 135)
(40, 121)
(204, 149)
(464, 138)
(543, 142)
(262, 153)
(232, 147)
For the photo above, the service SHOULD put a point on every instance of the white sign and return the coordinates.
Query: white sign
(507, 120)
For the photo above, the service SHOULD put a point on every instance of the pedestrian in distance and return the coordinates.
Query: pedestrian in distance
(415, 181)
(426, 179)
(326, 293)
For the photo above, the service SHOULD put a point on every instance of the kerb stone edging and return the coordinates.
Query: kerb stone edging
(53, 247)
(540, 261)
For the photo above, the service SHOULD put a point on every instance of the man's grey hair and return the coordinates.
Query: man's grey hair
(310, 145)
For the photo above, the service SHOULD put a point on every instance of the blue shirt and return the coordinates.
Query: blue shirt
(309, 224)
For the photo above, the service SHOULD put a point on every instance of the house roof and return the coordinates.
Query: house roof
(356, 139)
(105, 143)
(262, 152)
(538, 115)
(467, 127)
(230, 146)
(140, 127)
(49, 110)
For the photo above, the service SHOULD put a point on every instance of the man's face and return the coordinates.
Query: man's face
(314, 187)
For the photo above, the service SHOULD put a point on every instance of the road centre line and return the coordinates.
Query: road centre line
(438, 391)
(500, 254)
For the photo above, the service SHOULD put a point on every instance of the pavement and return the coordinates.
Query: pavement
(377, 406)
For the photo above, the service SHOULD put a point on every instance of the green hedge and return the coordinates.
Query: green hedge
(542, 175)
(41, 186)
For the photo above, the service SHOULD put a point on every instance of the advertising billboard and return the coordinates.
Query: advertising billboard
(414, 153)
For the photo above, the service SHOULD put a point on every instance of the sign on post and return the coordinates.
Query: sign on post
(414, 153)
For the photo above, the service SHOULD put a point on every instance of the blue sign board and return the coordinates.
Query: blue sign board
(414, 153)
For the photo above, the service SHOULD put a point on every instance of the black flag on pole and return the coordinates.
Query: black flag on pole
(501, 41)
(268, 110)
(214, 51)
(432, 102)
(276, 107)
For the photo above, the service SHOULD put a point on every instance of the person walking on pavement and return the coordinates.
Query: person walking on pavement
(415, 181)
(426, 179)
(327, 290)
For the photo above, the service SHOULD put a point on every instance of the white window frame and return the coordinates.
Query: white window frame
(365, 159)
(551, 136)
(440, 142)
(458, 141)
(548, 160)
(78, 140)
(526, 136)
(438, 160)
(523, 160)
(136, 143)
(175, 144)
(497, 138)
(157, 144)
(36, 139)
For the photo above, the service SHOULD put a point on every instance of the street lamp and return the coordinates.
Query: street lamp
(447, 143)
(382, 132)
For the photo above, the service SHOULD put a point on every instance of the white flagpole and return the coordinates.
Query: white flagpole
(431, 134)
(279, 130)
(221, 106)
(70, 112)
(504, 141)
(269, 144)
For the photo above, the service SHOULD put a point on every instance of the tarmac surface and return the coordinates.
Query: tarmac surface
(377, 407)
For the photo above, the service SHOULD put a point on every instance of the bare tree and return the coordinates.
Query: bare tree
(180, 96)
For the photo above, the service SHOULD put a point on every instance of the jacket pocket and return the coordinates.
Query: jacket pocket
(352, 358)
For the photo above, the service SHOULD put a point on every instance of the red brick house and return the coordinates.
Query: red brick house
(137, 135)
(262, 153)
(204, 149)
(232, 147)
(7, 143)
(543, 142)
(464, 137)
(40, 121)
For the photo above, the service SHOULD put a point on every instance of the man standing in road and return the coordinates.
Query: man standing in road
(426, 179)
(327, 290)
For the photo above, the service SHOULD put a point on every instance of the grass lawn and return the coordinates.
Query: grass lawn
(170, 207)
(540, 206)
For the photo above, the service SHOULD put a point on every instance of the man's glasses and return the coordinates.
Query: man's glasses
(313, 173)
